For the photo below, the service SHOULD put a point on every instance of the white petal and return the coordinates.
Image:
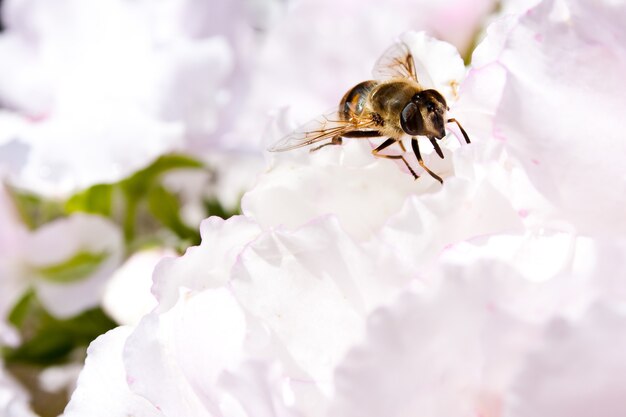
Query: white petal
(102, 386)
(561, 111)
(436, 354)
(463, 209)
(578, 371)
(127, 297)
(207, 265)
(438, 64)
(186, 350)
(252, 390)
(312, 307)
(341, 181)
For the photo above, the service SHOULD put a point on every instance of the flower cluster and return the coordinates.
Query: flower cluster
(348, 289)
(124, 124)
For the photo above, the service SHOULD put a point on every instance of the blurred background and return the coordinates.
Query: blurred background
(124, 123)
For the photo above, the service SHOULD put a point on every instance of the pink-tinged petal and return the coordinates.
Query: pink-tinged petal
(311, 289)
(127, 296)
(313, 308)
(253, 390)
(561, 113)
(207, 265)
(186, 349)
(479, 96)
(103, 384)
(579, 370)
(438, 64)
(337, 180)
(463, 209)
(439, 353)
(569, 273)
(491, 47)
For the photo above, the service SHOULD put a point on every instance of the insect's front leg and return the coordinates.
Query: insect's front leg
(386, 144)
(418, 155)
(436, 146)
(467, 139)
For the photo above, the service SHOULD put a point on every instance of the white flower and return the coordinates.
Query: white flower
(328, 298)
(67, 262)
(110, 86)
(88, 246)
(307, 288)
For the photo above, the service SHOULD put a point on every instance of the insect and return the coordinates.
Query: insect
(391, 106)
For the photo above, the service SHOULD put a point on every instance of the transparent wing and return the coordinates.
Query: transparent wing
(325, 126)
(396, 62)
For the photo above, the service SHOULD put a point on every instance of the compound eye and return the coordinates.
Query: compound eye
(411, 119)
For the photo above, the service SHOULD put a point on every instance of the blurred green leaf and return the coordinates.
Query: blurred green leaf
(33, 210)
(47, 340)
(214, 208)
(95, 200)
(128, 201)
(165, 207)
(140, 204)
(137, 187)
(138, 184)
(77, 268)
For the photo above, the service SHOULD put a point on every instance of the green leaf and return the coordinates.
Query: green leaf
(47, 340)
(97, 199)
(18, 315)
(33, 210)
(137, 187)
(165, 207)
(214, 208)
(77, 268)
(138, 184)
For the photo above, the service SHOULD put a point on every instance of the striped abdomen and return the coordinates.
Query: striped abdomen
(355, 100)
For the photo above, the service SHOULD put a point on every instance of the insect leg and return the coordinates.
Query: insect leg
(334, 141)
(337, 140)
(362, 134)
(416, 150)
(467, 139)
(436, 146)
(386, 144)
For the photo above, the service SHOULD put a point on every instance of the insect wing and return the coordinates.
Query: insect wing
(325, 126)
(396, 62)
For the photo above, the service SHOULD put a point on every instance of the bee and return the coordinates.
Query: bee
(392, 105)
